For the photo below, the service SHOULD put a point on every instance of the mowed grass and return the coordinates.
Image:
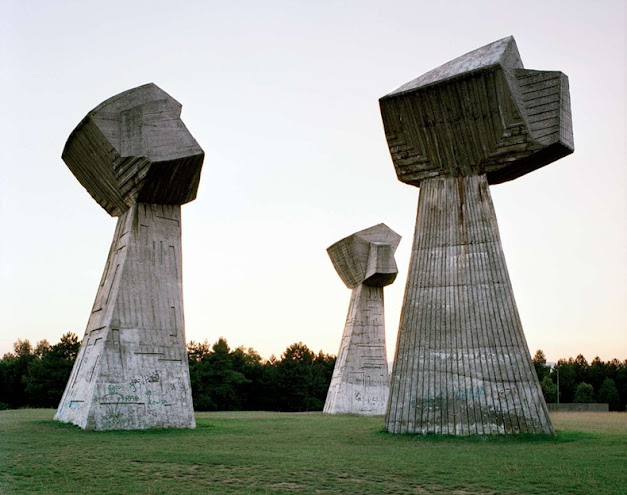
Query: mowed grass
(276, 453)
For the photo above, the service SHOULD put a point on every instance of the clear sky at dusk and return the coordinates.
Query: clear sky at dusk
(283, 98)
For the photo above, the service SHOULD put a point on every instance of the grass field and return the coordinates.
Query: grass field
(275, 453)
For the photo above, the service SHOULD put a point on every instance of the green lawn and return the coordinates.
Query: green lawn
(262, 452)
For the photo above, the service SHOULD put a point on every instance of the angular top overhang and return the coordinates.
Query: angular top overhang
(134, 147)
(503, 52)
(481, 113)
(366, 257)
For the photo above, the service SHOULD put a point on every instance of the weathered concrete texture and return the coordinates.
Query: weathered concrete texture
(135, 148)
(462, 365)
(366, 256)
(131, 371)
(482, 113)
(365, 262)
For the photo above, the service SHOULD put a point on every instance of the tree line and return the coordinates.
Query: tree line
(583, 382)
(229, 380)
(225, 379)
(222, 378)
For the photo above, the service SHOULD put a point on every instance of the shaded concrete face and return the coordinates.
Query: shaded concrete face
(462, 365)
(365, 262)
(131, 371)
(482, 113)
(366, 256)
(135, 148)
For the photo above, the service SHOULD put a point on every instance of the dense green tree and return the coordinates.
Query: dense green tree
(611, 368)
(621, 381)
(267, 397)
(197, 350)
(249, 364)
(224, 379)
(549, 389)
(215, 382)
(42, 347)
(294, 378)
(582, 368)
(584, 393)
(13, 369)
(4, 383)
(322, 373)
(199, 371)
(539, 363)
(47, 375)
(608, 393)
(567, 380)
(301, 379)
(597, 372)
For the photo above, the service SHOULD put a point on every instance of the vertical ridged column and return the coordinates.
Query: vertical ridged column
(131, 371)
(360, 382)
(462, 364)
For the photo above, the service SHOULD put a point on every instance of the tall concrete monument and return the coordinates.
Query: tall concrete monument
(137, 159)
(462, 364)
(365, 263)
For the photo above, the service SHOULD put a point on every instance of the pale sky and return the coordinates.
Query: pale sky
(283, 98)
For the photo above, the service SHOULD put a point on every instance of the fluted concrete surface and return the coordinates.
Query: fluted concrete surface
(462, 365)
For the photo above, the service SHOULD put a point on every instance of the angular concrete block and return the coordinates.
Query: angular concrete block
(354, 258)
(381, 267)
(462, 365)
(365, 262)
(131, 371)
(481, 113)
(134, 148)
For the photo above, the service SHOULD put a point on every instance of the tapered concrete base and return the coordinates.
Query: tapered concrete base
(360, 383)
(131, 371)
(462, 365)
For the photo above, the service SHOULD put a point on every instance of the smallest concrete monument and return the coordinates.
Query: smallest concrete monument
(365, 263)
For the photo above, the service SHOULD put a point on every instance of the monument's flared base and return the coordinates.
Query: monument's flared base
(131, 371)
(360, 378)
(462, 366)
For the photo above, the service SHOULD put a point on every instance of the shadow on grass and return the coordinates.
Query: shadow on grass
(204, 426)
(177, 432)
(560, 437)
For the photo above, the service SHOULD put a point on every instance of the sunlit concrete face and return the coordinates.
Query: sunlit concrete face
(135, 157)
(365, 263)
(462, 365)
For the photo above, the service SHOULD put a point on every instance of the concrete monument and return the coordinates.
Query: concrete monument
(137, 159)
(462, 365)
(365, 263)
